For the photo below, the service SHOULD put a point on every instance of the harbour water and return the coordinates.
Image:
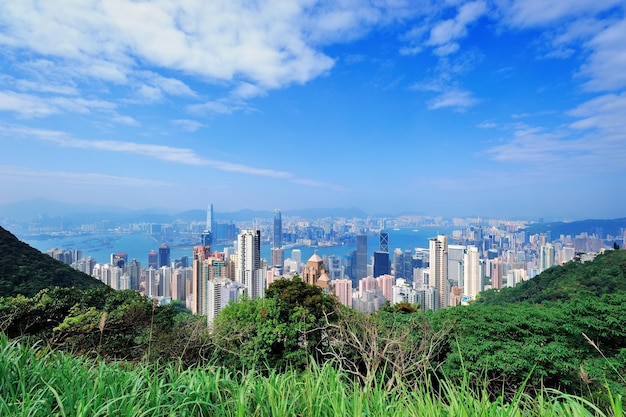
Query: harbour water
(100, 246)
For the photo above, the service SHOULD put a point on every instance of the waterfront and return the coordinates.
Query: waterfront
(100, 246)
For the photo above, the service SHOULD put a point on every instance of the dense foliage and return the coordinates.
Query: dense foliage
(283, 330)
(605, 275)
(25, 270)
(39, 384)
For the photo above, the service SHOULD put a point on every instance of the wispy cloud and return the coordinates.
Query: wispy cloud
(187, 125)
(457, 99)
(31, 106)
(18, 174)
(165, 153)
(443, 35)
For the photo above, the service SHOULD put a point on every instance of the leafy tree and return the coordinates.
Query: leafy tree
(280, 331)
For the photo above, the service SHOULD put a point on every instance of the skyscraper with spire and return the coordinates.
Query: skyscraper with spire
(209, 230)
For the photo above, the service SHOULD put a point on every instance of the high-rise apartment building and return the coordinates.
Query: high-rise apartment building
(249, 271)
(472, 276)
(342, 289)
(438, 252)
(547, 257)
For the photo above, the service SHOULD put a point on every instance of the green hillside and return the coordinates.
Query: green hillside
(606, 274)
(25, 270)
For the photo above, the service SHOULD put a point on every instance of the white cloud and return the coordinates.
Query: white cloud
(607, 62)
(606, 113)
(25, 105)
(125, 120)
(525, 13)
(457, 99)
(444, 34)
(595, 143)
(29, 106)
(187, 125)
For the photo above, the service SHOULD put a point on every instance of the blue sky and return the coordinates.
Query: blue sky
(498, 108)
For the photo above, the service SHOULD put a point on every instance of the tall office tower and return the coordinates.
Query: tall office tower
(335, 267)
(342, 289)
(166, 281)
(134, 271)
(407, 264)
(439, 270)
(382, 265)
(153, 259)
(472, 277)
(277, 242)
(384, 241)
(249, 271)
(277, 257)
(210, 233)
(398, 263)
(361, 256)
(164, 255)
(546, 257)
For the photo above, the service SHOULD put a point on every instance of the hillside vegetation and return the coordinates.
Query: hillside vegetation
(25, 270)
(563, 330)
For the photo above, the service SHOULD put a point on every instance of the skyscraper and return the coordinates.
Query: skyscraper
(277, 242)
(153, 259)
(384, 241)
(210, 233)
(382, 265)
(249, 271)
(547, 257)
(361, 256)
(438, 249)
(164, 255)
(472, 276)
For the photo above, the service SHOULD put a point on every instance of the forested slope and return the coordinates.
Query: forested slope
(25, 270)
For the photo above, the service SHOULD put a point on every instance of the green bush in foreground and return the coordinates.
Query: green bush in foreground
(38, 383)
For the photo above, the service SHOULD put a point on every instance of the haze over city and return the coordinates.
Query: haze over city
(489, 108)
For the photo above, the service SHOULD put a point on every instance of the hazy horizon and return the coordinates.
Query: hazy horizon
(490, 108)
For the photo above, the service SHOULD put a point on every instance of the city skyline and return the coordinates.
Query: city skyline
(458, 108)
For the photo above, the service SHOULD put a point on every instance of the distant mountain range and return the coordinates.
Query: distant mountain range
(601, 227)
(54, 213)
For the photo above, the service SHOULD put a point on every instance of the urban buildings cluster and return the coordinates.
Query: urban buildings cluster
(451, 271)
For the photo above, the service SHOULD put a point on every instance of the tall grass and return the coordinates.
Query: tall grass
(38, 383)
